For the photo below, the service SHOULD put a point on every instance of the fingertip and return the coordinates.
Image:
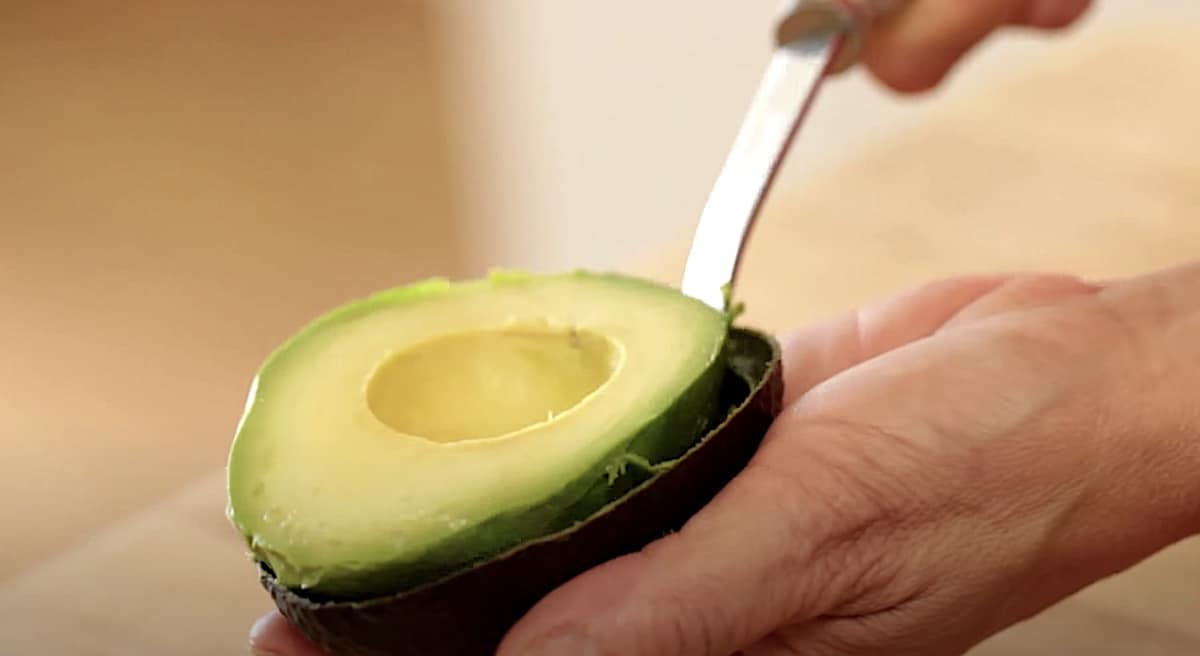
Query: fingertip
(915, 50)
(273, 635)
(907, 76)
(916, 67)
(1051, 14)
(261, 632)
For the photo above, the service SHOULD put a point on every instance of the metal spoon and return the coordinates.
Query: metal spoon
(813, 39)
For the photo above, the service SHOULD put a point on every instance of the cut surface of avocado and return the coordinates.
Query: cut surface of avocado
(424, 429)
(429, 620)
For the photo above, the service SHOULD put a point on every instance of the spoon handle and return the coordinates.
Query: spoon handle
(813, 38)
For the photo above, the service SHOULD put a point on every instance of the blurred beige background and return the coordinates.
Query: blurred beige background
(183, 184)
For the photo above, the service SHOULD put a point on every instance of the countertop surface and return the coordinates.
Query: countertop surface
(1084, 163)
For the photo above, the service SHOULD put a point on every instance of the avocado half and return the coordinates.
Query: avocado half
(416, 469)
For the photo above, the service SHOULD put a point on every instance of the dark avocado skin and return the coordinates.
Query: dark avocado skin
(468, 613)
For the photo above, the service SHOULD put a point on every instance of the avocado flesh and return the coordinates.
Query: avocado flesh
(468, 612)
(422, 430)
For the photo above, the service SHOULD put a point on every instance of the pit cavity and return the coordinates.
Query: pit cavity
(488, 383)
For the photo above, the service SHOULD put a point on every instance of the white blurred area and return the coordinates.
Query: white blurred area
(593, 131)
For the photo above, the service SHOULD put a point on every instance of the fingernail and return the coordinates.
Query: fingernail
(571, 644)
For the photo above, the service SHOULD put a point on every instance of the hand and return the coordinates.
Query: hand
(914, 50)
(950, 461)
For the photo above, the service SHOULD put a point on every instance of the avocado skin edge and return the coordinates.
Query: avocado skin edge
(468, 613)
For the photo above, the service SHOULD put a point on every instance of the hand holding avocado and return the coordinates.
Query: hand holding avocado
(949, 461)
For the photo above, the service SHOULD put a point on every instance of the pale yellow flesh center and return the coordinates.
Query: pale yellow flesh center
(488, 383)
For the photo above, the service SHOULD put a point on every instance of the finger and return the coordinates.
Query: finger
(1022, 293)
(1049, 14)
(273, 635)
(817, 353)
(914, 50)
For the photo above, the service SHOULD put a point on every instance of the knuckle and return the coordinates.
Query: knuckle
(685, 618)
(845, 487)
(677, 624)
(1140, 311)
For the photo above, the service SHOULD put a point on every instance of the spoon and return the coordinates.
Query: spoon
(813, 38)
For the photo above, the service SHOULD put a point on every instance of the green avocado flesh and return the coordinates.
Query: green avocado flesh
(423, 430)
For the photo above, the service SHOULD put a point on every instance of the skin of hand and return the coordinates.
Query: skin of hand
(913, 50)
(950, 461)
